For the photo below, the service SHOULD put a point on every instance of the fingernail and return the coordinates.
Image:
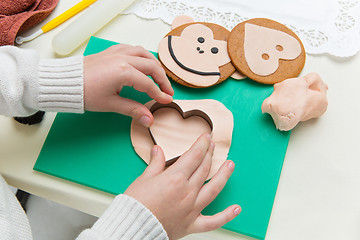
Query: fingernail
(212, 144)
(145, 121)
(231, 165)
(208, 137)
(168, 97)
(237, 211)
(154, 150)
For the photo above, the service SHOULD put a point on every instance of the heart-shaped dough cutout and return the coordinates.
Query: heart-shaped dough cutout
(222, 126)
(175, 131)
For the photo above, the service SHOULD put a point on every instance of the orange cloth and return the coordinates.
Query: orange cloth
(17, 16)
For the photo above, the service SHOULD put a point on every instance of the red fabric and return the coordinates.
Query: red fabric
(17, 16)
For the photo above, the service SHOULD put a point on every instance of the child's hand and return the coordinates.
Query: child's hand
(176, 195)
(107, 72)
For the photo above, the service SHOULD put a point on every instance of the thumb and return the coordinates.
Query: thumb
(131, 108)
(157, 162)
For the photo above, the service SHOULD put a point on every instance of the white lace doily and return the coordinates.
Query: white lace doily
(324, 26)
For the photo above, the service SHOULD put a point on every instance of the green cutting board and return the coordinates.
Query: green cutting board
(94, 149)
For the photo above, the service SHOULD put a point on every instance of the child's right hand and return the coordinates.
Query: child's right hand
(107, 72)
(177, 195)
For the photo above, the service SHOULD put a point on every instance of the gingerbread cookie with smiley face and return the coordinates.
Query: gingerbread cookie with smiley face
(266, 51)
(195, 54)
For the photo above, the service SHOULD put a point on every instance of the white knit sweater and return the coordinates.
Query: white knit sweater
(28, 84)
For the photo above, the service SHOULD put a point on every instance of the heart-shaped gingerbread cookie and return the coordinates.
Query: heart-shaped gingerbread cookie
(266, 51)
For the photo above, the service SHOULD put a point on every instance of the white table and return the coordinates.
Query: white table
(319, 191)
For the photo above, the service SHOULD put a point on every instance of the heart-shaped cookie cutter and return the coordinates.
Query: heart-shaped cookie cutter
(191, 113)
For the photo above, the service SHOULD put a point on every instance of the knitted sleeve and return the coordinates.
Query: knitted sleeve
(28, 84)
(13, 221)
(125, 219)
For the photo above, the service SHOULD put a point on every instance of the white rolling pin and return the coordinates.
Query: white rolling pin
(97, 16)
